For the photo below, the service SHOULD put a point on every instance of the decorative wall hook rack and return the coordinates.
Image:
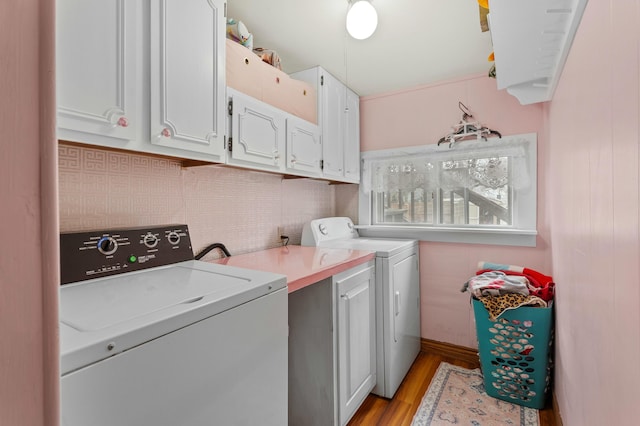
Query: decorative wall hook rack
(467, 130)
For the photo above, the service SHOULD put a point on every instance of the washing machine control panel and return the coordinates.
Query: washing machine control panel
(93, 254)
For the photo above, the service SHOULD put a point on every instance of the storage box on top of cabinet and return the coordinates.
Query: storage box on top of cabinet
(248, 74)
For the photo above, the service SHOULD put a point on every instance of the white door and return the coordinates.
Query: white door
(333, 130)
(188, 76)
(352, 138)
(356, 338)
(304, 148)
(96, 71)
(258, 134)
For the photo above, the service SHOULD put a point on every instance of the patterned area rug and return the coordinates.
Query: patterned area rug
(456, 397)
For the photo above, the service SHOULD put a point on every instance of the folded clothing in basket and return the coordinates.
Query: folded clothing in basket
(541, 285)
(502, 287)
(495, 283)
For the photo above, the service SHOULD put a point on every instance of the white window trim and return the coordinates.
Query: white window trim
(525, 214)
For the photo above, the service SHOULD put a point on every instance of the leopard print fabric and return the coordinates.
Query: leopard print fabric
(496, 305)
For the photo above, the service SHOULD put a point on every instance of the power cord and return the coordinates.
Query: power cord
(284, 239)
(211, 247)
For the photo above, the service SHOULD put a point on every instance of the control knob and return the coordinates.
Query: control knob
(107, 245)
(150, 240)
(173, 237)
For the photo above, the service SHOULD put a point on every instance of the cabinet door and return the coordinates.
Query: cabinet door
(333, 130)
(352, 138)
(258, 134)
(304, 149)
(96, 71)
(356, 338)
(188, 76)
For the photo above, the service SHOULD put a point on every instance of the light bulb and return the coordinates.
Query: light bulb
(362, 19)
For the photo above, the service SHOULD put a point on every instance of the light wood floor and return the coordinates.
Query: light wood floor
(400, 410)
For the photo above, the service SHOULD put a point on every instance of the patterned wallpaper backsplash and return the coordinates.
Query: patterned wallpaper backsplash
(240, 208)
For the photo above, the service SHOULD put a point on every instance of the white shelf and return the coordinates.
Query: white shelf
(531, 41)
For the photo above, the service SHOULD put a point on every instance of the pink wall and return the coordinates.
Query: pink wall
(240, 208)
(588, 210)
(593, 126)
(421, 116)
(28, 216)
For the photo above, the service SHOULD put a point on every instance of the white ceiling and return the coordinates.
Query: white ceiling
(417, 42)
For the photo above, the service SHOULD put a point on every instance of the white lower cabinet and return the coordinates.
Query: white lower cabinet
(332, 358)
(356, 337)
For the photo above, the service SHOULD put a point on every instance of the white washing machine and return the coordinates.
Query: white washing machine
(151, 337)
(397, 295)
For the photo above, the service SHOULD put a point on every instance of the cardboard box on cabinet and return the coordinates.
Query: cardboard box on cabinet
(248, 74)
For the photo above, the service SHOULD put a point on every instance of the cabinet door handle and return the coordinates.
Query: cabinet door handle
(123, 122)
(117, 118)
(166, 133)
(397, 302)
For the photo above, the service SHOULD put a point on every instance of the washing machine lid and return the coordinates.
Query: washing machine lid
(104, 303)
(105, 316)
(382, 246)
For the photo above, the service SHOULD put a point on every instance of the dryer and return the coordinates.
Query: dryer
(397, 295)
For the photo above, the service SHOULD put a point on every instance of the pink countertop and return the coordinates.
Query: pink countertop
(301, 265)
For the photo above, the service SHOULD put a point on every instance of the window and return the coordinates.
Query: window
(480, 191)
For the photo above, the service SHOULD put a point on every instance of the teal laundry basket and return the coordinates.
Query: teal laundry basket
(516, 353)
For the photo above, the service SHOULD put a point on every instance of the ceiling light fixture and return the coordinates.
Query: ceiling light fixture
(362, 19)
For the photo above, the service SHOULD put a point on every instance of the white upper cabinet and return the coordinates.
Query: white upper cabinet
(352, 138)
(264, 137)
(150, 76)
(531, 41)
(332, 97)
(339, 121)
(161, 91)
(304, 147)
(257, 137)
(96, 44)
(188, 76)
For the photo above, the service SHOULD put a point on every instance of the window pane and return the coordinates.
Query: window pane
(397, 207)
(493, 205)
(477, 192)
(452, 207)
